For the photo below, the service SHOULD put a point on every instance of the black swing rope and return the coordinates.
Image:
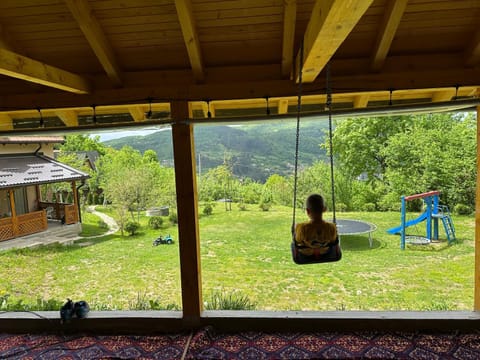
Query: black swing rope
(334, 253)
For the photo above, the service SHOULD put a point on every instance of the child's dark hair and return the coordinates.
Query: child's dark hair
(315, 204)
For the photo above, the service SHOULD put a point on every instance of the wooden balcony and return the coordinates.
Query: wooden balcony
(22, 225)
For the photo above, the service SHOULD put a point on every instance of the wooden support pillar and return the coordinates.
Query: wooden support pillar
(13, 210)
(76, 202)
(187, 209)
(476, 305)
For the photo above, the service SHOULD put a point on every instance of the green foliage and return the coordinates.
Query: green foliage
(208, 209)
(369, 207)
(173, 217)
(462, 209)
(80, 142)
(131, 227)
(242, 207)
(19, 305)
(265, 206)
(142, 302)
(155, 222)
(341, 207)
(222, 300)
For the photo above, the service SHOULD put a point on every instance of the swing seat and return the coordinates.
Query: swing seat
(334, 253)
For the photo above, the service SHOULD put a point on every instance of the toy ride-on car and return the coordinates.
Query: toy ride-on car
(163, 240)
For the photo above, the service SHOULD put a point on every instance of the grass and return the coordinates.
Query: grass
(92, 225)
(247, 253)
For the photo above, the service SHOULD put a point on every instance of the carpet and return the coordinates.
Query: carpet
(209, 344)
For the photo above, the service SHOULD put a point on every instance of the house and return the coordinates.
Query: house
(25, 168)
(81, 65)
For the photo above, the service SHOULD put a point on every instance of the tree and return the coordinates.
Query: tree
(80, 142)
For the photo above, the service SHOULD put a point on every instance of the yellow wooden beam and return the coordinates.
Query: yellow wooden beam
(282, 106)
(24, 68)
(443, 95)
(6, 122)
(190, 36)
(391, 20)
(476, 301)
(187, 207)
(138, 114)
(289, 22)
(330, 23)
(208, 107)
(472, 54)
(361, 101)
(94, 34)
(69, 117)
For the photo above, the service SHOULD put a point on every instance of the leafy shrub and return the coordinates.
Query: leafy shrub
(132, 227)
(102, 224)
(220, 300)
(369, 207)
(173, 218)
(208, 209)
(462, 209)
(143, 303)
(265, 206)
(155, 222)
(341, 207)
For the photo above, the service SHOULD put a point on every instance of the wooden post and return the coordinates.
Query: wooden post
(476, 300)
(189, 240)
(75, 202)
(11, 195)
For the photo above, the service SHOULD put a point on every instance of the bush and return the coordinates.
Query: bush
(369, 207)
(173, 218)
(220, 300)
(462, 209)
(208, 209)
(131, 227)
(341, 207)
(155, 222)
(265, 206)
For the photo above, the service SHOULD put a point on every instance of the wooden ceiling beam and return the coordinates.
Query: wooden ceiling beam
(386, 33)
(361, 101)
(289, 22)
(69, 117)
(443, 95)
(137, 113)
(24, 68)
(208, 107)
(472, 54)
(330, 23)
(6, 122)
(190, 36)
(282, 106)
(95, 36)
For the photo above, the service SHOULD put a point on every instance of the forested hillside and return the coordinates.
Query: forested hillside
(254, 151)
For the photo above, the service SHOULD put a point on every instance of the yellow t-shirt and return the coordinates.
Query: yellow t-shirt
(315, 234)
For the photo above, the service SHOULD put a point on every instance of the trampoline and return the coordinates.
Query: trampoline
(356, 227)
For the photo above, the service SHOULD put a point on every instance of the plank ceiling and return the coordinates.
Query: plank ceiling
(62, 60)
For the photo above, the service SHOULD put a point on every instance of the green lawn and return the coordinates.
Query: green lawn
(248, 252)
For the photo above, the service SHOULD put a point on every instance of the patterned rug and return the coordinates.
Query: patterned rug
(207, 344)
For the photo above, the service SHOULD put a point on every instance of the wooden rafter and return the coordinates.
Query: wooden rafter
(443, 95)
(208, 107)
(386, 33)
(6, 122)
(22, 67)
(282, 106)
(472, 55)
(361, 101)
(69, 117)
(289, 21)
(94, 34)
(190, 36)
(330, 23)
(137, 113)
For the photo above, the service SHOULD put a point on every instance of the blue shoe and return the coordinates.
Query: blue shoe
(81, 309)
(67, 311)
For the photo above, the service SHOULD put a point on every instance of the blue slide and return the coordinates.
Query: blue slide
(396, 230)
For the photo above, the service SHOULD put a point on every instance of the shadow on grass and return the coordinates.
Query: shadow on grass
(358, 243)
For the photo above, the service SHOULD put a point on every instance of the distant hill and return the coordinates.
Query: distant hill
(254, 151)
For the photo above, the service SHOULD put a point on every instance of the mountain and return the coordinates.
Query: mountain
(255, 151)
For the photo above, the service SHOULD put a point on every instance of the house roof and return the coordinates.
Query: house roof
(90, 156)
(20, 170)
(64, 61)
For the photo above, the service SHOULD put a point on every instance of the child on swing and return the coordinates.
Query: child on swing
(314, 236)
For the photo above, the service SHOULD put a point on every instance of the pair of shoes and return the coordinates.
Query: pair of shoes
(70, 309)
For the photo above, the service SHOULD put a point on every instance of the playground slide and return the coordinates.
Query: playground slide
(396, 230)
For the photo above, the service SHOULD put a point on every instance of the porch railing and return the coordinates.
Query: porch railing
(61, 211)
(23, 225)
